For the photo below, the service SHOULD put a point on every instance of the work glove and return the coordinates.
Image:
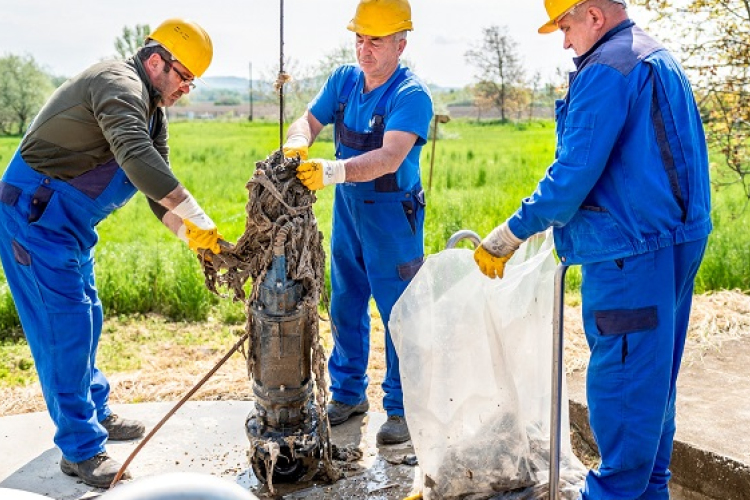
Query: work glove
(496, 250)
(200, 232)
(296, 144)
(202, 239)
(316, 174)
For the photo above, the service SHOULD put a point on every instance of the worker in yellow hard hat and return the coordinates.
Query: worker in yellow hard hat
(381, 114)
(628, 196)
(98, 140)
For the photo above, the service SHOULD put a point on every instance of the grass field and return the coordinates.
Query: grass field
(481, 172)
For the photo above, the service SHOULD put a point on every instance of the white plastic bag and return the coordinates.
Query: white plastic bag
(475, 360)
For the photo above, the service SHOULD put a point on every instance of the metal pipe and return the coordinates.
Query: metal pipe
(250, 118)
(558, 330)
(438, 119)
(463, 234)
(432, 156)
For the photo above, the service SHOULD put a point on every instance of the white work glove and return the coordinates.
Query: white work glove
(496, 250)
(316, 174)
(296, 144)
(198, 230)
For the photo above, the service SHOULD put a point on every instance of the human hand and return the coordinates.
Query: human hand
(296, 144)
(316, 174)
(496, 250)
(201, 239)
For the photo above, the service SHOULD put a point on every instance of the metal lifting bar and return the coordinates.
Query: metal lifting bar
(558, 331)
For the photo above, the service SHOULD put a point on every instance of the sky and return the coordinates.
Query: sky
(66, 36)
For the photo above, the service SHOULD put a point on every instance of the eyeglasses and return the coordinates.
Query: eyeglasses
(185, 80)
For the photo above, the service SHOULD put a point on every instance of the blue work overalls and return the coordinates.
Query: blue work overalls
(629, 197)
(635, 314)
(47, 230)
(377, 246)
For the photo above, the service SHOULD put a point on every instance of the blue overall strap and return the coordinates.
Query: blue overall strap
(367, 141)
(346, 90)
(662, 141)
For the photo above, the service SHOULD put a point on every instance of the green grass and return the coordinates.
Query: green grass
(481, 172)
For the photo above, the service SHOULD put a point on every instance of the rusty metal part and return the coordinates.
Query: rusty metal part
(281, 253)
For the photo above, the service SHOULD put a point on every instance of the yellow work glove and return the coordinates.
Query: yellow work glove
(317, 174)
(496, 250)
(202, 239)
(296, 144)
(200, 232)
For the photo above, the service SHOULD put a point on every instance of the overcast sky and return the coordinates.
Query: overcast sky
(65, 36)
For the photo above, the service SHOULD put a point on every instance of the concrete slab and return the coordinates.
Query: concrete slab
(711, 458)
(203, 437)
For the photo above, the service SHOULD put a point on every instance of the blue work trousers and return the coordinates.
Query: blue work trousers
(377, 246)
(47, 238)
(635, 313)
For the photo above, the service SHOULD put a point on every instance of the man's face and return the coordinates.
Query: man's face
(577, 26)
(378, 56)
(173, 82)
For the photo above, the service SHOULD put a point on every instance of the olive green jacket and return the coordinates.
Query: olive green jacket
(110, 110)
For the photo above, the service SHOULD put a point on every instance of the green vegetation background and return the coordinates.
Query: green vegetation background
(481, 172)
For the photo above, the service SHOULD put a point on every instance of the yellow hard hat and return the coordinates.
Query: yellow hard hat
(381, 17)
(187, 42)
(555, 10)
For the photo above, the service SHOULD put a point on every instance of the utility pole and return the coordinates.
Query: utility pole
(250, 118)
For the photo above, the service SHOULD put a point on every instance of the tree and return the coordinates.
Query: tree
(712, 37)
(23, 89)
(500, 70)
(534, 86)
(131, 40)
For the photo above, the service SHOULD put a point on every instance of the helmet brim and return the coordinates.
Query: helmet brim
(548, 27)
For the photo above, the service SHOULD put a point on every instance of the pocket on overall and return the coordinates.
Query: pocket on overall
(623, 322)
(414, 209)
(39, 202)
(593, 231)
(578, 133)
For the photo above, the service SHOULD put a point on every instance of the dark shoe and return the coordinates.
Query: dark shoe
(393, 431)
(122, 429)
(98, 471)
(338, 413)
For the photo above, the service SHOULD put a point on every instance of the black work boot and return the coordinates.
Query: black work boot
(97, 471)
(338, 413)
(122, 429)
(393, 431)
